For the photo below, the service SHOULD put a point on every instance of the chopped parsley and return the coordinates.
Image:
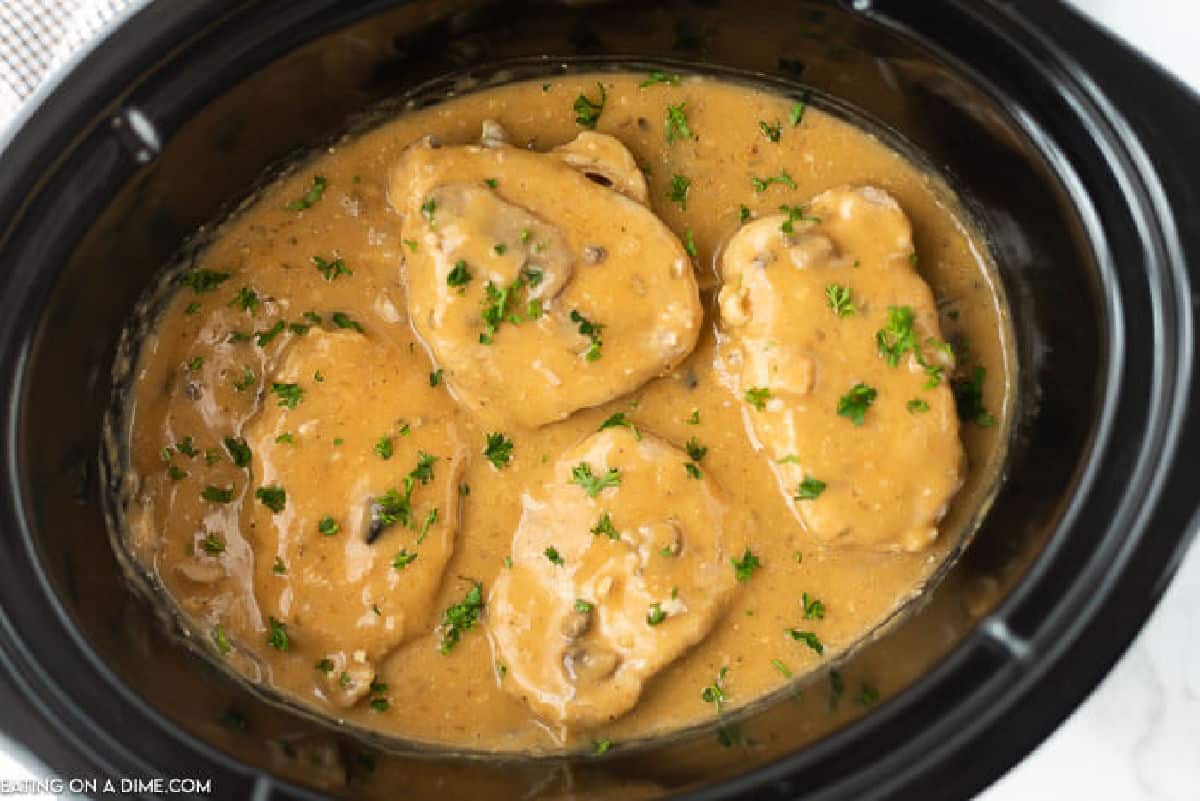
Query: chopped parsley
(185, 447)
(221, 639)
(744, 568)
(758, 397)
(342, 320)
(809, 489)
(808, 638)
(837, 686)
(796, 114)
(619, 420)
(428, 210)
(715, 693)
(239, 451)
(423, 472)
(328, 526)
(658, 76)
(655, 614)
(273, 496)
(772, 132)
(593, 485)
(601, 747)
(695, 450)
(194, 307)
(693, 419)
(491, 183)
(605, 526)
(680, 184)
(584, 607)
(854, 404)
(285, 438)
(263, 338)
(814, 609)
(412, 244)
(499, 306)
(394, 507)
(693, 470)
(761, 184)
(689, 242)
(968, 399)
(497, 449)
(499, 248)
(403, 559)
(279, 568)
(867, 696)
(435, 377)
(591, 330)
(782, 668)
(175, 473)
(677, 123)
(246, 381)
(289, 395)
(217, 494)
(838, 298)
(247, 299)
(384, 447)
(744, 214)
(314, 193)
(459, 276)
(427, 523)
(330, 270)
(461, 617)
(195, 364)
(277, 638)
(325, 665)
(917, 406)
(212, 545)
(587, 113)
(553, 555)
(202, 281)
(795, 214)
(897, 337)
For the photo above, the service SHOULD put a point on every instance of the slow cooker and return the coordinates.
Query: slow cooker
(1076, 156)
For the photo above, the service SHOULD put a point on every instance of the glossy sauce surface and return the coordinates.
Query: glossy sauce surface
(331, 599)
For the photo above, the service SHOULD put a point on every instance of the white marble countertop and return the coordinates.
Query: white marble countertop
(1137, 737)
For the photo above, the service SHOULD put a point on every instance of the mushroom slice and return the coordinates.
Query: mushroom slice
(830, 339)
(338, 586)
(607, 587)
(538, 291)
(606, 161)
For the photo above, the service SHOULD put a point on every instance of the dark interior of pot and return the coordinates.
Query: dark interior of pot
(255, 87)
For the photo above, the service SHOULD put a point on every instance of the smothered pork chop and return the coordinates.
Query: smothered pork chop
(566, 413)
(526, 264)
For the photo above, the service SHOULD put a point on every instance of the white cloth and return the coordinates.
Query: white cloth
(38, 35)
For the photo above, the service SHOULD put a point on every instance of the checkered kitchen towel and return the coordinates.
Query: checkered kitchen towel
(38, 35)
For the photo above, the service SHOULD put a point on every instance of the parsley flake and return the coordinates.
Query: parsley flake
(854, 404)
(605, 526)
(809, 489)
(498, 449)
(677, 123)
(680, 184)
(587, 113)
(314, 193)
(593, 485)
(838, 298)
(758, 397)
(461, 617)
(744, 568)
